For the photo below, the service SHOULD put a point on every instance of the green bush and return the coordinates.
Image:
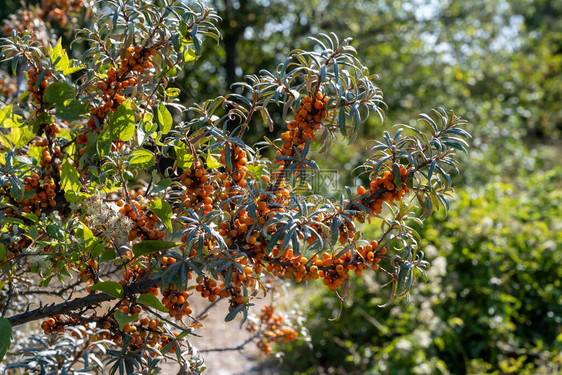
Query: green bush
(492, 303)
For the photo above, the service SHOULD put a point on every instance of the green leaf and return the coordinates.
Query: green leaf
(152, 246)
(72, 197)
(141, 159)
(58, 92)
(70, 178)
(3, 252)
(97, 249)
(42, 119)
(58, 53)
(150, 300)
(103, 144)
(111, 288)
(30, 216)
(173, 92)
(164, 118)
(410, 179)
(431, 169)
(122, 123)
(11, 120)
(232, 314)
(108, 255)
(72, 110)
(163, 210)
(124, 319)
(55, 232)
(5, 336)
(341, 121)
(161, 185)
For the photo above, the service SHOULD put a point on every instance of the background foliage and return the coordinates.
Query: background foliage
(492, 301)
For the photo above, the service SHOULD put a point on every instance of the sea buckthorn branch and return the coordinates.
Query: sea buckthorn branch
(427, 158)
(75, 304)
(386, 191)
(220, 218)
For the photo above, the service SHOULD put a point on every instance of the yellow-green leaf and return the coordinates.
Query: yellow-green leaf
(163, 210)
(5, 114)
(87, 237)
(64, 63)
(164, 118)
(185, 159)
(141, 159)
(212, 163)
(122, 123)
(70, 178)
(112, 288)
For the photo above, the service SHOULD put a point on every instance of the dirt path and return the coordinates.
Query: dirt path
(216, 334)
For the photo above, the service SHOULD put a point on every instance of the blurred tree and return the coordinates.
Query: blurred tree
(498, 60)
(10, 7)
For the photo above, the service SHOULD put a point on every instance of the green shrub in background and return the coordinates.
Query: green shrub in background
(492, 303)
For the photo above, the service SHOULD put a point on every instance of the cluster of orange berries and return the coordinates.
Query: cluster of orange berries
(333, 270)
(144, 334)
(346, 231)
(135, 62)
(44, 194)
(126, 307)
(211, 289)
(238, 230)
(51, 130)
(336, 270)
(176, 302)
(307, 121)
(46, 156)
(383, 189)
(82, 139)
(37, 93)
(135, 272)
(236, 175)
(198, 188)
(144, 221)
(57, 324)
(272, 327)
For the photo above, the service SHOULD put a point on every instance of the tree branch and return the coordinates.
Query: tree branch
(78, 303)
